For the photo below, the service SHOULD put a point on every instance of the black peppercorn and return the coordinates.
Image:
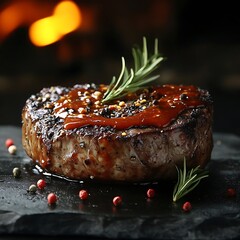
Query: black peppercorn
(183, 96)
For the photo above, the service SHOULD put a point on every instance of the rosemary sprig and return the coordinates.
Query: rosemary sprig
(187, 180)
(133, 80)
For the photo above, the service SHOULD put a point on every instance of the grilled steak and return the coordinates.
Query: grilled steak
(68, 132)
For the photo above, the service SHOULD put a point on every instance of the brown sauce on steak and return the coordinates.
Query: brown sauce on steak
(157, 107)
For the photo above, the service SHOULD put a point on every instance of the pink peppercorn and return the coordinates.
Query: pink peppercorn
(83, 194)
(231, 192)
(9, 142)
(117, 201)
(151, 193)
(51, 198)
(187, 207)
(41, 184)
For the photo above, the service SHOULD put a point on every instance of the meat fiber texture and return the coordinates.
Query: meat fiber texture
(143, 154)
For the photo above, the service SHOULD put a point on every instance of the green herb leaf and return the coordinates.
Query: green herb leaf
(132, 80)
(187, 180)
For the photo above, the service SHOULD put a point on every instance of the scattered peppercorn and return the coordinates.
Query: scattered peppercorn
(51, 198)
(32, 188)
(187, 207)
(231, 192)
(12, 149)
(137, 104)
(122, 104)
(117, 201)
(83, 194)
(16, 172)
(183, 96)
(41, 184)
(143, 101)
(9, 142)
(151, 193)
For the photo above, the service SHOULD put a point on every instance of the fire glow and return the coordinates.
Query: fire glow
(66, 18)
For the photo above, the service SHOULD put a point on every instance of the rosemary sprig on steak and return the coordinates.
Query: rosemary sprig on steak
(187, 180)
(132, 80)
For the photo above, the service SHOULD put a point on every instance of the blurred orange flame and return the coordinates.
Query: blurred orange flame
(19, 13)
(65, 19)
(10, 13)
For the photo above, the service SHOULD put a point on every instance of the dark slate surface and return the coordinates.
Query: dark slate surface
(214, 215)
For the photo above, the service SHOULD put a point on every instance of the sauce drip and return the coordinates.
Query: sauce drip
(82, 107)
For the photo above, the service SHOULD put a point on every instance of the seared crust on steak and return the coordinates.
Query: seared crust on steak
(142, 153)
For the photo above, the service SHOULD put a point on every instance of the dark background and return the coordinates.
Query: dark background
(200, 39)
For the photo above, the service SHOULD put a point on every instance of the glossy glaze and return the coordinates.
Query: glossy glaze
(161, 105)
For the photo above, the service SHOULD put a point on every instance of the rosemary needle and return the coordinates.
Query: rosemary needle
(132, 80)
(187, 180)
